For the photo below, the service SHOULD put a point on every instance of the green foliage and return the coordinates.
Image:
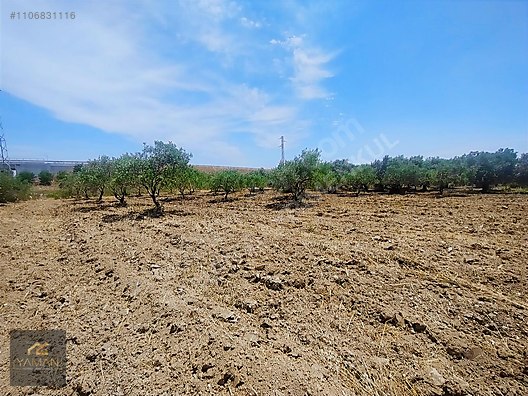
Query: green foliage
(489, 169)
(326, 178)
(227, 181)
(25, 177)
(360, 178)
(256, 180)
(13, 189)
(442, 173)
(123, 176)
(99, 174)
(380, 168)
(402, 172)
(157, 166)
(521, 171)
(69, 185)
(296, 176)
(186, 180)
(61, 176)
(45, 177)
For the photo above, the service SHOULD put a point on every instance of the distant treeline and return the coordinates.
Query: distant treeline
(165, 167)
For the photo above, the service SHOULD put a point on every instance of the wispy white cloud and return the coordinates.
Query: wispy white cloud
(309, 67)
(246, 22)
(165, 71)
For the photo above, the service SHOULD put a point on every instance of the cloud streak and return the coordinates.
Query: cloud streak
(309, 66)
(160, 73)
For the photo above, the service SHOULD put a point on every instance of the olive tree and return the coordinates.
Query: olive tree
(227, 181)
(96, 175)
(186, 180)
(295, 176)
(360, 178)
(256, 180)
(327, 179)
(156, 165)
(521, 170)
(124, 176)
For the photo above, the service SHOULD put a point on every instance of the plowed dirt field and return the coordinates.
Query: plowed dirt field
(368, 295)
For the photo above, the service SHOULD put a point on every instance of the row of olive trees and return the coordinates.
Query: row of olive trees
(399, 174)
(164, 166)
(154, 168)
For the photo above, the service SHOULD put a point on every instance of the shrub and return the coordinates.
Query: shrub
(25, 177)
(45, 177)
(13, 189)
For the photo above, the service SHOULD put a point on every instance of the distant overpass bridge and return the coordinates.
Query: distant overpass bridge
(37, 166)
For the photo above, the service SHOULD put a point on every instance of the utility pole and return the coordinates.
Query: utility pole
(282, 150)
(4, 165)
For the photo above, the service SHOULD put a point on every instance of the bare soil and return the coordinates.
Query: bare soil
(369, 295)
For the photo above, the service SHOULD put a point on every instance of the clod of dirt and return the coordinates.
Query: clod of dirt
(455, 353)
(340, 280)
(266, 324)
(395, 319)
(298, 283)
(247, 305)
(175, 328)
(504, 353)
(91, 356)
(418, 327)
(472, 353)
(273, 283)
(226, 316)
(455, 389)
(227, 377)
(436, 378)
(82, 390)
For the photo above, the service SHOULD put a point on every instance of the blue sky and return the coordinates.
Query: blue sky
(226, 78)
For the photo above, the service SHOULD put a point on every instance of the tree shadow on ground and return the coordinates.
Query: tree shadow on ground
(94, 207)
(221, 200)
(144, 214)
(288, 204)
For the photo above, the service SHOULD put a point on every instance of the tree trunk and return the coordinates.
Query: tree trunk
(101, 192)
(156, 202)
